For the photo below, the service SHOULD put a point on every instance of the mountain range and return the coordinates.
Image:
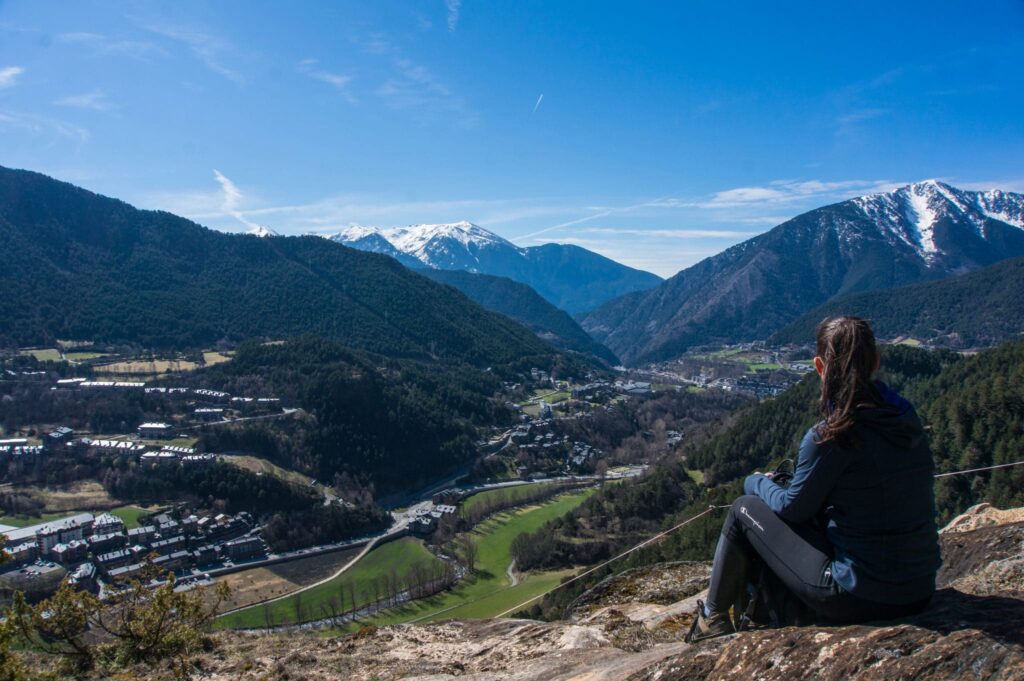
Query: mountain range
(82, 266)
(571, 278)
(523, 304)
(919, 232)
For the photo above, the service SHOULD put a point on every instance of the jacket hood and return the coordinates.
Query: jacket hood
(895, 421)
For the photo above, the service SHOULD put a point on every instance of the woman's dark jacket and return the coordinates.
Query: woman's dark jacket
(877, 501)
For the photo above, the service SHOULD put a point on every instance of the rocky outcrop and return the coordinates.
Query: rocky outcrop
(630, 627)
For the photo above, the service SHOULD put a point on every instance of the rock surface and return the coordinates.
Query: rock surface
(631, 626)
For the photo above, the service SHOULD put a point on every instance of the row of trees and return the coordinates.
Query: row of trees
(353, 601)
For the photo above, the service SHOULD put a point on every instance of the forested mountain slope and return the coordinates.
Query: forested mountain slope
(82, 266)
(395, 424)
(982, 308)
(526, 306)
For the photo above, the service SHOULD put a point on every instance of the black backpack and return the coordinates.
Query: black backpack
(769, 602)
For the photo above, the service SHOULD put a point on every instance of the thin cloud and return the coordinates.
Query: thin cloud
(339, 81)
(9, 74)
(105, 45)
(232, 197)
(453, 13)
(43, 126)
(789, 192)
(209, 48)
(672, 233)
(539, 100)
(95, 100)
(413, 86)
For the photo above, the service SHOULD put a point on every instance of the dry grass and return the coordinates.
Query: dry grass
(87, 494)
(260, 466)
(253, 586)
(145, 367)
(211, 358)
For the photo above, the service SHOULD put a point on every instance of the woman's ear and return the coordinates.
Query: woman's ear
(819, 365)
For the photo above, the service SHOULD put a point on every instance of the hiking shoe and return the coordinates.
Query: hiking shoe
(709, 626)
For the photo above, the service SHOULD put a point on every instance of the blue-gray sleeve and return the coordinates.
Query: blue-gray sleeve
(817, 470)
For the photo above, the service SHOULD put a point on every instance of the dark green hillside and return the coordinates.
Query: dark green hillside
(981, 308)
(394, 424)
(526, 306)
(83, 266)
(976, 412)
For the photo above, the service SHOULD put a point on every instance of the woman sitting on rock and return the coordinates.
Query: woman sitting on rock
(853, 535)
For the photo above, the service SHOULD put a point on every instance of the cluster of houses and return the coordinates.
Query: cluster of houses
(445, 504)
(204, 396)
(93, 547)
(165, 454)
(18, 446)
(536, 436)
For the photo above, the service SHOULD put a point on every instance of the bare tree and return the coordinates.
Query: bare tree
(468, 549)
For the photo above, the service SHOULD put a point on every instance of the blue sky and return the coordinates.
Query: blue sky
(654, 133)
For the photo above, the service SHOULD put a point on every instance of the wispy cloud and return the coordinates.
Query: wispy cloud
(671, 233)
(539, 100)
(339, 81)
(415, 87)
(790, 192)
(211, 49)
(35, 124)
(232, 198)
(95, 100)
(453, 13)
(412, 86)
(105, 45)
(9, 74)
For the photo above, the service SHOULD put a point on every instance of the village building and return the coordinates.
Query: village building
(156, 431)
(73, 552)
(241, 549)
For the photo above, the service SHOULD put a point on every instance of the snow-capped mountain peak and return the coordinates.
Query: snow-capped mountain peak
(455, 245)
(912, 215)
(262, 231)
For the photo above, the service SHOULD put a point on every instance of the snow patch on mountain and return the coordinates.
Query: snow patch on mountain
(923, 217)
(911, 213)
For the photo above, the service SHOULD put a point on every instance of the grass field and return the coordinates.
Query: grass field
(518, 492)
(129, 514)
(696, 476)
(145, 367)
(401, 554)
(26, 520)
(487, 593)
(761, 366)
(211, 358)
(82, 356)
(43, 354)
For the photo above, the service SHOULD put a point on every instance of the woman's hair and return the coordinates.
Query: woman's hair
(846, 345)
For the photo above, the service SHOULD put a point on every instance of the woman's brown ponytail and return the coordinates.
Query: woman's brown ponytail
(846, 346)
